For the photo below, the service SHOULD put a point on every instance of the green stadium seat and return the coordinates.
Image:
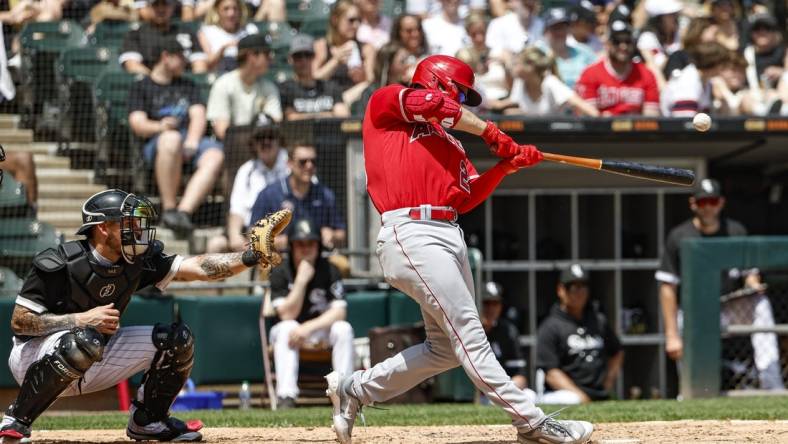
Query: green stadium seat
(13, 201)
(23, 238)
(392, 8)
(110, 34)
(115, 161)
(278, 35)
(314, 26)
(77, 70)
(51, 36)
(10, 283)
(6, 309)
(366, 309)
(224, 354)
(299, 11)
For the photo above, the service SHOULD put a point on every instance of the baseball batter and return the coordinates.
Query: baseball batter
(419, 179)
(66, 321)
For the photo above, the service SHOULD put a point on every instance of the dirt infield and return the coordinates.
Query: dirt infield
(771, 432)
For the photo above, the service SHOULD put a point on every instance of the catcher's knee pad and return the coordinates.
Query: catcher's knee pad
(48, 377)
(168, 372)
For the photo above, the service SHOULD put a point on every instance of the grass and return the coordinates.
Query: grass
(772, 407)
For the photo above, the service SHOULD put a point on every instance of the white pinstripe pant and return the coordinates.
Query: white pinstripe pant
(129, 351)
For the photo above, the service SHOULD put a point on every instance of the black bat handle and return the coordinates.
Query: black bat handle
(676, 176)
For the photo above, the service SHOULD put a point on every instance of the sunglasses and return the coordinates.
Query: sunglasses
(302, 55)
(302, 162)
(708, 201)
(353, 19)
(621, 40)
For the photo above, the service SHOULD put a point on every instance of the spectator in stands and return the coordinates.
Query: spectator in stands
(445, 31)
(305, 196)
(493, 79)
(393, 64)
(244, 96)
(689, 92)
(616, 84)
(408, 32)
(583, 26)
(726, 16)
(273, 11)
(26, 11)
(508, 34)
(700, 30)
(112, 11)
(538, 91)
(571, 58)
(309, 300)
(577, 348)
(304, 97)
(504, 338)
(168, 111)
(375, 28)
(267, 165)
(225, 25)
(339, 56)
(662, 36)
(706, 205)
(768, 63)
(730, 95)
(139, 50)
(22, 167)
(428, 8)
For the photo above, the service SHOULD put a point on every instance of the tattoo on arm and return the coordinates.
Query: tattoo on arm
(219, 266)
(28, 323)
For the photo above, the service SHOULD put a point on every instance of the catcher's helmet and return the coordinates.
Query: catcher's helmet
(304, 229)
(134, 213)
(446, 72)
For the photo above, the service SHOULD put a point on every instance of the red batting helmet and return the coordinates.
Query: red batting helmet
(445, 72)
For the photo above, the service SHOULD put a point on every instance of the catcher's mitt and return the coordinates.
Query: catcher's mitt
(261, 237)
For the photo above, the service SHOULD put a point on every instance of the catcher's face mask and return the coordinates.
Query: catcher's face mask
(136, 227)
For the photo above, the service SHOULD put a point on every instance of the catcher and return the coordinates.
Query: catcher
(68, 339)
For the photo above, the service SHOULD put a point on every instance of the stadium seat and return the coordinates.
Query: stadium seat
(23, 238)
(13, 201)
(299, 11)
(10, 283)
(110, 33)
(42, 43)
(392, 8)
(77, 70)
(278, 35)
(314, 26)
(115, 162)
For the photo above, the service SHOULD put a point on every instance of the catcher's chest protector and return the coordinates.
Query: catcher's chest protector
(92, 284)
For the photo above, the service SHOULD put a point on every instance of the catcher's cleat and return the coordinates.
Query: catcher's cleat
(346, 406)
(553, 431)
(13, 431)
(171, 429)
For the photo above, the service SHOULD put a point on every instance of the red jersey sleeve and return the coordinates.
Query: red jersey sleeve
(587, 87)
(650, 86)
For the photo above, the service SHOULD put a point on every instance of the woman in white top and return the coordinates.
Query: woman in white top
(225, 25)
(537, 90)
(661, 38)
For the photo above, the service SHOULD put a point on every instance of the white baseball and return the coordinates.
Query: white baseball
(701, 122)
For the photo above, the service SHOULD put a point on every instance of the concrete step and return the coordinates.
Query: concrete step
(74, 205)
(35, 148)
(59, 219)
(9, 121)
(48, 161)
(64, 176)
(68, 191)
(16, 135)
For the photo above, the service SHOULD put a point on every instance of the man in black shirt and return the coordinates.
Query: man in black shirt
(304, 97)
(168, 111)
(309, 299)
(503, 337)
(139, 51)
(577, 349)
(706, 204)
(68, 340)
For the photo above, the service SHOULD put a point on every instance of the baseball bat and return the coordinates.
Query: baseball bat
(675, 176)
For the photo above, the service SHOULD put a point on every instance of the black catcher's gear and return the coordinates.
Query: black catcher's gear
(48, 377)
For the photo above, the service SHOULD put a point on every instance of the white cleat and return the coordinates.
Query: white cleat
(346, 406)
(553, 431)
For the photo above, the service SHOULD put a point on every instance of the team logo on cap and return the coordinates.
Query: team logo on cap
(707, 185)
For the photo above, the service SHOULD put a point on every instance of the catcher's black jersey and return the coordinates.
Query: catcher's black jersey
(323, 291)
(51, 286)
(580, 349)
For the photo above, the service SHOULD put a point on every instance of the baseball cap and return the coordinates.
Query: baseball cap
(583, 11)
(621, 12)
(656, 8)
(708, 188)
(574, 273)
(554, 16)
(168, 44)
(265, 132)
(304, 229)
(620, 26)
(254, 41)
(763, 19)
(302, 43)
(492, 291)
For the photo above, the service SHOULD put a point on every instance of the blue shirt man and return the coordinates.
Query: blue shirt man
(307, 198)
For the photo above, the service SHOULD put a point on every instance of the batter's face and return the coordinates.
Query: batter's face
(707, 209)
(573, 296)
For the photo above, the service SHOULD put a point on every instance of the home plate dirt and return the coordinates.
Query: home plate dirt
(771, 432)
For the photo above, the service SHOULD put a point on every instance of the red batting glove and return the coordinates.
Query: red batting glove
(499, 142)
(528, 155)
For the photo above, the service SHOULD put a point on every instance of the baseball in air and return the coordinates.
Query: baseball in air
(701, 122)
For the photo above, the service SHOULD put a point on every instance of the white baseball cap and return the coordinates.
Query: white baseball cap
(663, 7)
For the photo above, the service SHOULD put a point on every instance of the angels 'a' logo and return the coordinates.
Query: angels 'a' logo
(465, 181)
(107, 290)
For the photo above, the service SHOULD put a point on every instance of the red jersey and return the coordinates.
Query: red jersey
(411, 163)
(613, 95)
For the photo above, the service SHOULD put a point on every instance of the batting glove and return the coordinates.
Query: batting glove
(499, 142)
(528, 155)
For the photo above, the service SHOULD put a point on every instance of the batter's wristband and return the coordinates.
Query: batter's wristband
(250, 258)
